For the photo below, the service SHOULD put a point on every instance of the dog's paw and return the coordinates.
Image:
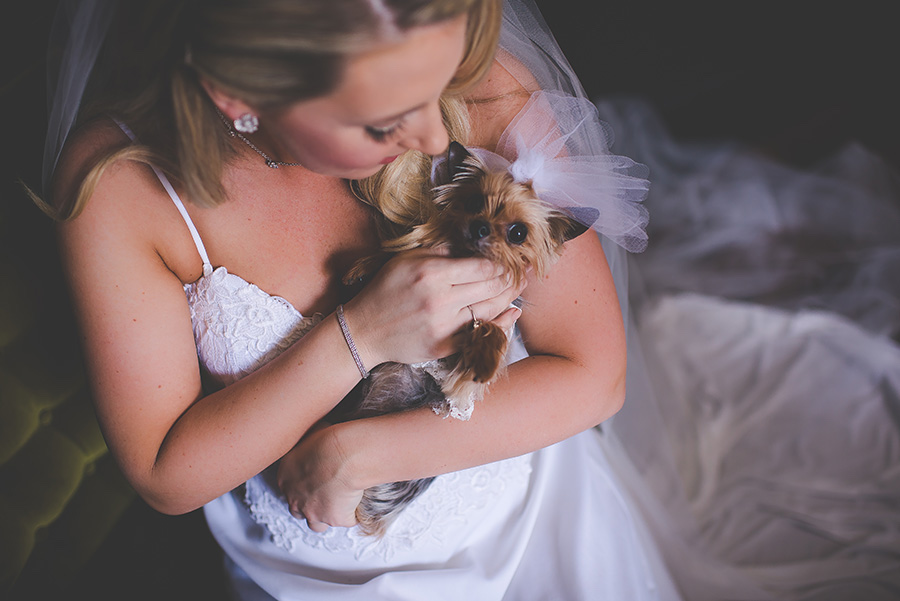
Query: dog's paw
(483, 351)
(461, 393)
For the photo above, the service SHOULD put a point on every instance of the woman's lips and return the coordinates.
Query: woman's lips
(389, 159)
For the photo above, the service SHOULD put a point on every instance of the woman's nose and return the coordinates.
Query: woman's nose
(428, 134)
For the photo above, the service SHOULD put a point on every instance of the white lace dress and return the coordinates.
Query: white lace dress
(551, 525)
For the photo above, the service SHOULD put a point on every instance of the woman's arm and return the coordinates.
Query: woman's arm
(492, 105)
(178, 448)
(574, 379)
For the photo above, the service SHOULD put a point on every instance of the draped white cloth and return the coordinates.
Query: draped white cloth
(762, 429)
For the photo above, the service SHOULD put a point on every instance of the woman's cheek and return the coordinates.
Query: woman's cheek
(357, 158)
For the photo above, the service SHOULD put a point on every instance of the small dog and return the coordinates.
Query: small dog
(480, 212)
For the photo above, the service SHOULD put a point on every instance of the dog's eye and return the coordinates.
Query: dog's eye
(516, 233)
(479, 229)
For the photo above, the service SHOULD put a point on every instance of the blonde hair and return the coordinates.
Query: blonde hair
(268, 53)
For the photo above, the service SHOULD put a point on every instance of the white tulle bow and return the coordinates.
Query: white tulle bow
(559, 145)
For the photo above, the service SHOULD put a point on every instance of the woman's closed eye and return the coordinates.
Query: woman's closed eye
(383, 134)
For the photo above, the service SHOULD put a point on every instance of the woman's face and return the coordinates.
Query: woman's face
(386, 103)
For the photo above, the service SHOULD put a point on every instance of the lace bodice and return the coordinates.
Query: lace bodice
(238, 327)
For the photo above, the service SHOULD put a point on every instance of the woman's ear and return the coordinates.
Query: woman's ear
(230, 106)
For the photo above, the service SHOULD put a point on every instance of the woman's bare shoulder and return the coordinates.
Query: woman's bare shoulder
(492, 105)
(127, 207)
(128, 178)
(84, 148)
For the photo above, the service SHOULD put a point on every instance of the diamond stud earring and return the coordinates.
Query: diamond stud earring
(246, 123)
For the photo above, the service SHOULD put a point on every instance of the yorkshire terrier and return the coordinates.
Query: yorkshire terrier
(480, 212)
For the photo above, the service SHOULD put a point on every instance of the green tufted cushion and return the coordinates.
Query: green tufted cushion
(15, 307)
(60, 492)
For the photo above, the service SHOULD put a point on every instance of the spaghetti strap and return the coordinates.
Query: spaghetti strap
(184, 214)
(175, 199)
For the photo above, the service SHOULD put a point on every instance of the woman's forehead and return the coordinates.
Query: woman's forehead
(385, 83)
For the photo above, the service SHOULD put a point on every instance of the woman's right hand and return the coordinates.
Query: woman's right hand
(313, 478)
(420, 299)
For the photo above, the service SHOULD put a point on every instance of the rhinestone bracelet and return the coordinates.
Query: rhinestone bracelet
(350, 343)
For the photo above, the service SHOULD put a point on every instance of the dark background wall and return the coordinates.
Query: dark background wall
(796, 78)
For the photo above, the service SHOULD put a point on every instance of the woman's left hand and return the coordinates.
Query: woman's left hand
(313, 477)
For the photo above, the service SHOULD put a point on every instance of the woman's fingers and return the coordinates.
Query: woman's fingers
(507, 319)
(487, 299)
(348, 521)
(475, 270)
(314, 525)
(317, 526)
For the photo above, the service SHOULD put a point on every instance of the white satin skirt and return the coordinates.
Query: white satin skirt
(552, 525)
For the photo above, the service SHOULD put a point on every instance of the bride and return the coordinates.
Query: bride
(206, 219)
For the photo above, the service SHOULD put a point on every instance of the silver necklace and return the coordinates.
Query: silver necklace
(270, 162)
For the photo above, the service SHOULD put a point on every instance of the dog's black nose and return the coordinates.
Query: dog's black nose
(479, 229)
(516, 233)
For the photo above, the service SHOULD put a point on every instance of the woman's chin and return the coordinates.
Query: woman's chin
(345, 172)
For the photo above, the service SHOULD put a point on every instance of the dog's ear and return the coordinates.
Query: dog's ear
(571, 222)
(456, 156)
